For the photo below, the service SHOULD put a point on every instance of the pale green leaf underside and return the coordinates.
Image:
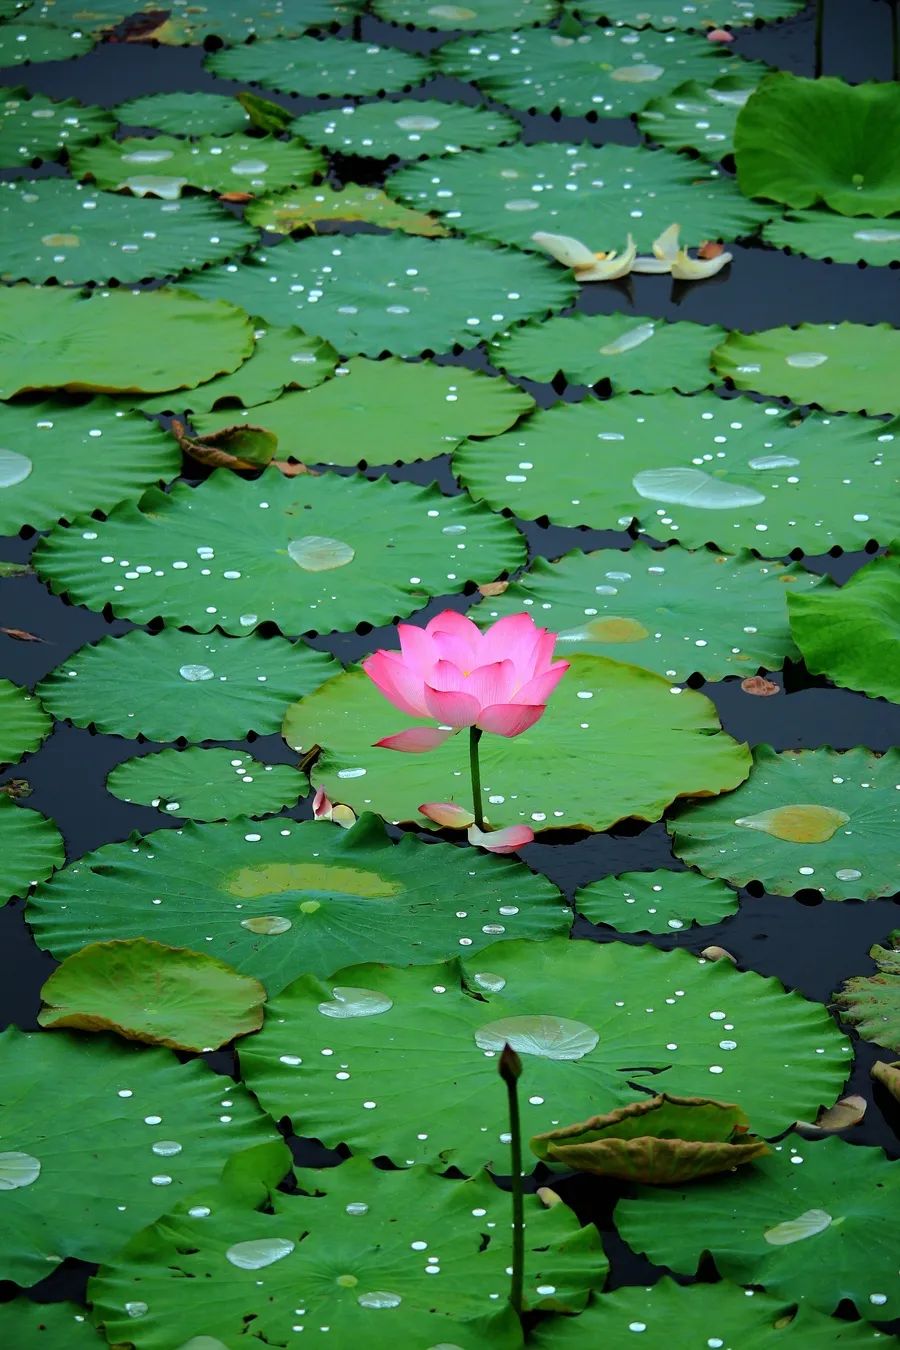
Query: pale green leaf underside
(662, 901)
(23, 722)
(200, 784)
(409, 128)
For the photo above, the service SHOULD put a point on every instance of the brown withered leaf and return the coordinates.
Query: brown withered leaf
(20, 635)
(846, 1113)
(236, 197)
(718, 954)
(710, 249)
(493, 588)
(889, 1076)
(760, 686)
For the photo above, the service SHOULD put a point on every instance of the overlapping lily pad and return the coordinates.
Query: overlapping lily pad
(661, 901)
(171, 684)
(228, 20)
(382, 412)
(60, 459)
(305, 208)
(58, 229)
(33, 126)
(670, 611)
(30, 847)
(47, 1326)
(824, 234)
(575, 767)
(812, 819)
(214, 784)
(179, 114)
(309, 554)
(392, 293)
(597, 194)
(408, 128)
(364, 1267)
(276, 898)
(163, 165)
(871, 1003)
(697, 14)
(813, 1222)
(853, 169)
(115, 341)
(23, 722)
(324, 66)
(139, 1131)
(595, 1026)
(698, 117)
(843, 366)
(734, 473)
(21, 43)
(845, 632)
(635, 354)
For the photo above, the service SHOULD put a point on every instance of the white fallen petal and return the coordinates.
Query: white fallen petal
(694, 269)
(611, 266)
(566, 250)
(643, 263)
(666, 247)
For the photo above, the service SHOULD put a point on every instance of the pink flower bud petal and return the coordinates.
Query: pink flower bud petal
(510, 719)
(501, 841)
(321, 806)
(452, 707)
(720, 35)
(416, 740)
(448, 814)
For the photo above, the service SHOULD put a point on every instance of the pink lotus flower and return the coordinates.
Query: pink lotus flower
(498, 680)
(719, 35)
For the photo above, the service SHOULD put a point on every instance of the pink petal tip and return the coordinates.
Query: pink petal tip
(415, 741)
(448, 814)
(501, 841)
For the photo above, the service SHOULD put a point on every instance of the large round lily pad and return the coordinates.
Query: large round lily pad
(661, 901)
(698, 117)
(309, 554)
(33, 126)
(372, 1244)
(57, 228)
(115, 341)
(804, 819)
(845, 632)
(200, 784)
(324, 66)
(386, 411)
(276, 898)
(735, 473)
(633, 353)
(23, 722)
(607, 71)
(180, 114)
(824, 234)
(871, 1003)
(172, 684)
(575, 767)
(485, 15)
(392, 293)
(163, 165)
(47, 1326)
(59, 459)
(671, 611)
(596, 1026)
(30, 847)
(598, 194)
(813, 1221)
(843, 366)
(136, 1132)
(409, 128)
(695, 14)
(853, 169)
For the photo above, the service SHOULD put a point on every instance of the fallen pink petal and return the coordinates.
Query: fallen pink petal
(448, 814)
(501, 841)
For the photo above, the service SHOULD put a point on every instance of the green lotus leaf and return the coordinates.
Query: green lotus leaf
(364, 1267)
(30, 848)
(698, 117)
(573, 768)
(804, 819)
(671, 611)
(485, 15)
(702, 1313)
(305, 553)
(172, 685)
(825, 234)
(660, 901)
(599, 194)
(813, 1222)
(33, 126)
(58, 229)
(115, 341)
(632, 353)
(60, 459)
(200, 784)
(148, 992)
(871, 1003)
(162, 165)
(847, 367)
(228, 20)
(601, 72)
(421, 1044)
(329, 65)
(47, 1326)
(781, 154)
(23, 722)
(22, 43)
(698, 14)
(304, 208)
(387, 411)
(409, 128)
(276, 898)
(844, 632)
(185, 114)
(439, 292)
(137, 1132)
(265, 114)
(660, 1141)
(283, 358)
(734, 473)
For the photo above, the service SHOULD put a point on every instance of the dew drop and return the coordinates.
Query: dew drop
(268, 924)
(18, 1170)
(14, 468)
(379, 1298)
(349, 1002)
(195, 673)
(806, 360)
(318, 553)
(259, 1252)
(544, 1036)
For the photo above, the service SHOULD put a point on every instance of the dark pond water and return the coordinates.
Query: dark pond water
(810, 945)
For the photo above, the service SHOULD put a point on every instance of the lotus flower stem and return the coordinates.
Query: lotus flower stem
(510, 1067)
(820, 37)
(475, 767)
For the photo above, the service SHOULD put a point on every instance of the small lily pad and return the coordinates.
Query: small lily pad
(162, 165)
(202, 784)
(305, 208)
(30, 848)
(699, 117)
(329, 65)
(661, 901)
(23, 722)
(408, 128)
(824, 234)
(22, 43)
(871, 1003)
(180, 114)
(33, 126)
